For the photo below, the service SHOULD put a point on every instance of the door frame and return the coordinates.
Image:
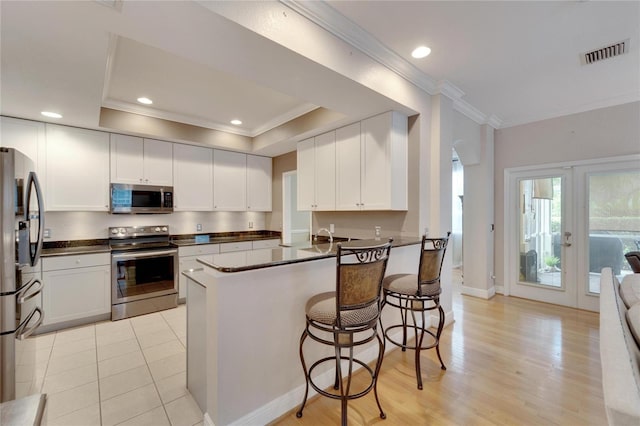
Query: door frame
(579, 225)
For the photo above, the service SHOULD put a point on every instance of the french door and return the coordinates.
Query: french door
(564, 224)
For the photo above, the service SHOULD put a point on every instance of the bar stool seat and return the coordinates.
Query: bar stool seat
(346, 318)
(420, 292)
(322, 308)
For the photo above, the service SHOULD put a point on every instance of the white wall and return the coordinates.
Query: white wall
(601, 133)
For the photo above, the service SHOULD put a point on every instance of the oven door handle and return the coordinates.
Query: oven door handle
(139, 254)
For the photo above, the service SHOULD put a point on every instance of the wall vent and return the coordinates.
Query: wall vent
(615, 49)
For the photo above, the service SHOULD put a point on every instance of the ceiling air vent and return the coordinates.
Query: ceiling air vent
(615, 49)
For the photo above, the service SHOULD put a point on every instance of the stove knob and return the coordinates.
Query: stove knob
(164, 229)
(122, 231)
(157, 229)
(114, 231)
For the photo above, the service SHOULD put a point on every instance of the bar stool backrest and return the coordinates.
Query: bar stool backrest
(431, 259)
(360, 271)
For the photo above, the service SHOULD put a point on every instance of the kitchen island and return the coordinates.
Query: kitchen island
(245, 315)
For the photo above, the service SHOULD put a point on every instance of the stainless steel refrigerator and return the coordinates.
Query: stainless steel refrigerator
(21, 230)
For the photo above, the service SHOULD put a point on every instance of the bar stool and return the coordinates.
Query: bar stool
(418, 293)
(348, 317)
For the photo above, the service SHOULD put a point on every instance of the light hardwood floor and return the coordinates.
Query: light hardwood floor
(509, 361)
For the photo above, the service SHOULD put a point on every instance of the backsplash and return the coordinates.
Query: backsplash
(93, 225)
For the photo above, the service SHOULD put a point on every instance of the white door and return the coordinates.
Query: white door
(567, 224)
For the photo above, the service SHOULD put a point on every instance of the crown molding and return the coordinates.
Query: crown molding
(164, 115)
(328, 18)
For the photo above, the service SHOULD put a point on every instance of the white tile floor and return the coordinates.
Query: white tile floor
(128, 372)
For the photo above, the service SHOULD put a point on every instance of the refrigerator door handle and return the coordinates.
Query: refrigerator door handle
(22, 332)
(22, 296)
(34, 252)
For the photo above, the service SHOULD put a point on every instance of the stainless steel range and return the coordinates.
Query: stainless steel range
(144, 270)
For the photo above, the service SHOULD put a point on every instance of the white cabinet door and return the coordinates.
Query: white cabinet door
(141, 161)
(127, 164)
(348, 168)
(76, 169)
(158, 162)
(316, 172)
(263, 244)
(76, 293)
(306, 175)
(375, 182)
(188, 256)
(193, 178)
(383, 180)
(24, 135)
(229, 181)
(259, 183)
(237, 246)
(325, 166)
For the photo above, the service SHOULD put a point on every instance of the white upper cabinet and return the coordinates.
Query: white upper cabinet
(192, 178)
(348, 168)
(141, 161)
(383, 172)
(316, 172)
(259, 171)
(24, 135)
(76, 169)
(229, 181)
(371, 159)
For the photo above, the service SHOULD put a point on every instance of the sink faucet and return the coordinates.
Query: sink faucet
(328, 233)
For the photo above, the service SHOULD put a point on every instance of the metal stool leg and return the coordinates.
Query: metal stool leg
(418, 347)
(381, 346)
(306, 375)
(440, 327)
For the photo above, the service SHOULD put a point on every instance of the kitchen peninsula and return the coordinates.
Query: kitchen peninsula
(245, 315)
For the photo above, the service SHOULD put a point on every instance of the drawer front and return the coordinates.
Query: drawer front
(75, 261)
(262, 244)
(239, 246)
(199, 249)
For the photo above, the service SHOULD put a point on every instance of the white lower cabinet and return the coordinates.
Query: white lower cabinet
(76, 287)
(262, 244)
(188, 260)
(237, 246)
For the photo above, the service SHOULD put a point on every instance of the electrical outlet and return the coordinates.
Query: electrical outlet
(198, 227)
(332, 228)
(47, 233)
(250, 225)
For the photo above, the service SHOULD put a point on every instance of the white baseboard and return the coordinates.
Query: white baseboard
(479, 292)
(207, 420)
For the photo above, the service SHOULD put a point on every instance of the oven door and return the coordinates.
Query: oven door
(137, 275)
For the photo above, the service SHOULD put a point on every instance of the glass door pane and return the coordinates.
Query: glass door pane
(614, 222)
(540, 260)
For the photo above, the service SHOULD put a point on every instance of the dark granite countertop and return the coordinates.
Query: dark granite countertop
(64, 248)
(223, 237)
(72, 247)
(267, 258)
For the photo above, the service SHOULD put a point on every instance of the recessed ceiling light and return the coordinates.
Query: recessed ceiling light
(145, 101)
(236, 122)
(421, 52)
(51, 114)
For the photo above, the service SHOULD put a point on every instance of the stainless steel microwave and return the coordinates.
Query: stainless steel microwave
(141, 199)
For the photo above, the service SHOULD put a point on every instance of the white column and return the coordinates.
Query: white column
(438, 196)
(478, 218)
